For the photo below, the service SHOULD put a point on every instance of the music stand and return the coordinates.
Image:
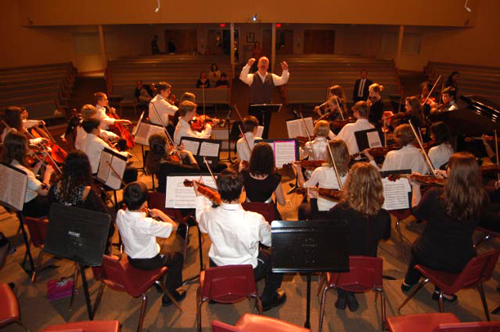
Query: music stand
(78, 235)
(309, 247)
(265, 111)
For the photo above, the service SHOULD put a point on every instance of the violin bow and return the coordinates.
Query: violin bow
(421, 145)
(334, 164)
(166, 132)
(496, 151)
(307, 133)
(432, 90)
(210, 170)
(241, 130)
(339, 108)
(115, 173)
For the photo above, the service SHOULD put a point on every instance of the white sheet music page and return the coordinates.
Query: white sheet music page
(178, 196)
(119, 166)
(396, 194)
(191, 146)
(374, 139)
(208, 149)
(307, 124)
(284, 152)
(260, 130)
(13, 187)
(294, 128)
(103, 171)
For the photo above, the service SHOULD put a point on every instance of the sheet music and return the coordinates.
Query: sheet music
(300, 127)
(396, 194)
(284, 152)
(103, 171)
(13, 189)
(119, 166)
(134, 131)
(191, 146)
(208, 149)
(178, 196)
(374, 139)
(260, 130)
(145, 131)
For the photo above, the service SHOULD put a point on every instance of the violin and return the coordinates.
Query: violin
(339, 124)
(490, 169)
(303, 140)
(198, 122)
(329, 194)
(206, 191)
(119, 128)
(430, 180)
(311, 164)
(486, 138)
(378, 152)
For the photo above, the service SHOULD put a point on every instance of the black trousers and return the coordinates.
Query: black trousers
(37, 207)
(174, 261)
(263, 269)
(264, 120)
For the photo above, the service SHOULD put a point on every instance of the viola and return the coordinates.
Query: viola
(206, 191)
(119, 128)
(422, 179)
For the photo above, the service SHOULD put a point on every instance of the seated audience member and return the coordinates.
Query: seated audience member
(249, 128)
(360, 112)
(261, 178)
(15, 149)
(407, 157)
(93, 145)
(139, 234)
(102, 105)
(442, 151)
(324, 177)
(187, 110)
(162, 162)
(160, 107)
(316, 149)
(236, 235)
(368, 223)
(376, 104)
(452, 213)
(214, 74)
(142, 94)
(222, 82)
(203, 81)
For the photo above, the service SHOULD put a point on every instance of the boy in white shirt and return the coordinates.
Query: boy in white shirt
(236, 234)
(187, 110)
(249, 128)
(139, 233)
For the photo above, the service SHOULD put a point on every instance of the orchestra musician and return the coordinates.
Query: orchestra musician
(27, 123)
(413, 109)
(13, 119)
(245, 145)
(368, 223)
(336, 98)
(90, 112)
(440, 153)
(187, 110)
(360, 113)
(316, 149)
(449, 104)
(161, 109)
(407, 157)
(102, 104)
(376, 104)
(14, 153)
(452, 214)
(425, 89)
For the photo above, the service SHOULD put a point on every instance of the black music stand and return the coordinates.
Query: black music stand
(263, 112)
(309, 247)
(78, 235)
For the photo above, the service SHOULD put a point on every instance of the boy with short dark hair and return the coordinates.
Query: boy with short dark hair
(236, 234)
(249, 128)
(139, 234)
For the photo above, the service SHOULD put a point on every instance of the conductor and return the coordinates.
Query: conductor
(261, 87)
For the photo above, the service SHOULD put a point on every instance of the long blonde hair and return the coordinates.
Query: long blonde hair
(363, 190)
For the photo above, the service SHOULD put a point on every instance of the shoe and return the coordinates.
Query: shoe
(341, 301)
(278, 298)
(454, 298)
(352, 303)
(405, 288)
(178, 296)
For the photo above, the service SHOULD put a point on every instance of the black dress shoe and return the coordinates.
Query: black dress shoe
(341, 301)
(352, 303)
(278, 298)
(178, 296)
(435, 297)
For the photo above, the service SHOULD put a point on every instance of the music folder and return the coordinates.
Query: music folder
(77, 234)
(369, 138)
(286, 151)
(309, 246)
(203, 148)
(14, 183)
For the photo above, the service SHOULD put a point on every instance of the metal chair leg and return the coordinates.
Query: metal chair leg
(482, 241)
(383, 308)
(441, 301)
(480, 289)
(144, 304)
(37, 266)
(322, 308)
(186, 241)
(198, 310)
(398, 226)
(98, 298)
(165, 290)
(409, 297)
(75, 286)
(322, 280)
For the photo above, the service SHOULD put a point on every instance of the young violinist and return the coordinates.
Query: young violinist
(413, 109)
(425, 89)
(336, 99)
(139, 234)
(163, 161)
(236, 234)
(160, 107)
(452, 214)
(90, 112)
(14, 152)
(102, 105)
(316, 149)
(449, 104)
(187, 110)
(347, 134)
(442, 151)
(245, 145)
(407, 157)
(376, 104)
(368, 223)
(325, 177)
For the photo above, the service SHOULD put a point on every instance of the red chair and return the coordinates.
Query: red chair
(88, 326)
(267, 210)
(434, 322)
(37, 228)
(365, 273)
(256, 323)
(400, 216)
(226, 284)
(9, 308)
(122, 277)
(478, 270)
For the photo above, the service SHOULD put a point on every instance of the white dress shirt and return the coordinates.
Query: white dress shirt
(277, 80)
(183, 129)
(139, 233)
(104, 120)
(362, 83)
(81, 134)
(30, 123)
(33, 183)
(32, 141)
(324, 177)
(93, 146)
(163, 110)
(408, 157)
(319, 146)
(347, 133)
(440, 155)
(242, 148)
(234, 232)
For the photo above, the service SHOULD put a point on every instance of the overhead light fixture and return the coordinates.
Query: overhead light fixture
(158, 8)
(254, 18)
(466, 7)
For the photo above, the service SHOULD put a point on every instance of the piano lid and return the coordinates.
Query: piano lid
(482, 106)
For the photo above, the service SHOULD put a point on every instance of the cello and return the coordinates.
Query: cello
(118, 128)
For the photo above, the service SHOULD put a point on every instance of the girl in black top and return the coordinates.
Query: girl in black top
(452, 214)
(377, 105)
(162, 162)
(361, 206)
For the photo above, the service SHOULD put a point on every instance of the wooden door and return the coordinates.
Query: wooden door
(319, 41)
(284, 41)
(185, 40)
